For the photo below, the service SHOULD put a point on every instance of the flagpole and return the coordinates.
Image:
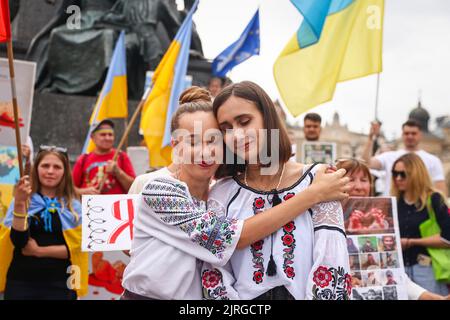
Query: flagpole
(127, 130)
(15, 105)
(377, 96)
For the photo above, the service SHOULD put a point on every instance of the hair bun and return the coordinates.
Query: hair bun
(194, 94)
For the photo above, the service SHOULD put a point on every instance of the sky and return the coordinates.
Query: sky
(416, 58)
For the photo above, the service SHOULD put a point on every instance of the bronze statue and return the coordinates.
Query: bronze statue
(74, 61)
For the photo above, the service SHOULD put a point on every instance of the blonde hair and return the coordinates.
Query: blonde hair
(65, 189)
(419, 184)
(191, 100)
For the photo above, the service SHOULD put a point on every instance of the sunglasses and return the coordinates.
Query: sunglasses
(399, 174)
(53, 148)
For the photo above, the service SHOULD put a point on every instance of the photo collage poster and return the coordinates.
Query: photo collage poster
(322, 152)
(375, 255)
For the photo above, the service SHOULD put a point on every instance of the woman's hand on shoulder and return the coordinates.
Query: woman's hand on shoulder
(330, 186)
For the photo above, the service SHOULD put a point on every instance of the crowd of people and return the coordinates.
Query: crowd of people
(208, 229)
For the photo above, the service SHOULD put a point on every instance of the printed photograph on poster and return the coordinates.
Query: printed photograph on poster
(387, 243)
(368, 216)
(105, 275)
(323, 152)
(373, 293)
(25, 73)
(356, 279)
(9, 165)
(108, 221)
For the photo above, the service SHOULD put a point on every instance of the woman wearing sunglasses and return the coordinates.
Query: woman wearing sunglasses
(412, 186)
(40, 238)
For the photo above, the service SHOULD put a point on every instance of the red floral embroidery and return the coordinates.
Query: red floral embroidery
(322, 277)
(290, 273)
(218, 243)
(210, 279)
(257, 245)
(205, 237)
(288, 240)
(289, 227)
(258, 203)
(288, 196)
(258, 276)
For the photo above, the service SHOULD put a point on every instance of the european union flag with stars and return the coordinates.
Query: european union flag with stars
(246, 46)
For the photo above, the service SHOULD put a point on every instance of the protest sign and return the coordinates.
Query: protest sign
(108, 221)
(373, 242)
(323, 152)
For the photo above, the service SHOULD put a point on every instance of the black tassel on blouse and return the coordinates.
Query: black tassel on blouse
(272, 267)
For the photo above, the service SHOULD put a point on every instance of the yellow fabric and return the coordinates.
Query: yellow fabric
(113, 105)
(350, 47)
(6, 254)
(78, 258)
(154, 113)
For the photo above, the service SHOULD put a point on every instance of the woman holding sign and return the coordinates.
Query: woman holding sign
(177, 227)
(40, 239)
(361, 186)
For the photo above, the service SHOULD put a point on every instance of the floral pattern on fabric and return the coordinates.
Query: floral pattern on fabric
(288, 241)
(209, 228)
(331, 284)
(256, 248)
(212, 283)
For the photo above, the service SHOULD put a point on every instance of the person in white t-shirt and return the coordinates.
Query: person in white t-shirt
(411, 136)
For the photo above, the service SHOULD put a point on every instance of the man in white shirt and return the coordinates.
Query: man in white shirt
(411, 136)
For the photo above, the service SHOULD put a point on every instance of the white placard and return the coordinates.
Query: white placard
(25, 73)
(373, 243)
(108, 221)
(323, 152)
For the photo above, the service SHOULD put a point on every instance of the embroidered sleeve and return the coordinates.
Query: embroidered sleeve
(204, 224)
(328, 215)
(329, 278)
(217, 282)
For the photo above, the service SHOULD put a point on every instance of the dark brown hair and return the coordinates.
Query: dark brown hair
(412, 123)
(314, 117)
(191, 100)
(65, 189)
(250, 91)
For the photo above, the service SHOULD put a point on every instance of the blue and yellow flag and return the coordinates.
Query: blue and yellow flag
(246, 46)
(168, 83)
(113, 99)
(71, 226)
(338, 40)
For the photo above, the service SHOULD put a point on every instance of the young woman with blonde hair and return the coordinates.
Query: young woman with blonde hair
(412, 186)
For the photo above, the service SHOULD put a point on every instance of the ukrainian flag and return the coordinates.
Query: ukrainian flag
(71, 227)
(168, 83)
(113, 99)
(338, 40)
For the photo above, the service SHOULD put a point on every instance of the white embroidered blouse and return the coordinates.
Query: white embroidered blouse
(172, 233)
(310, 252)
